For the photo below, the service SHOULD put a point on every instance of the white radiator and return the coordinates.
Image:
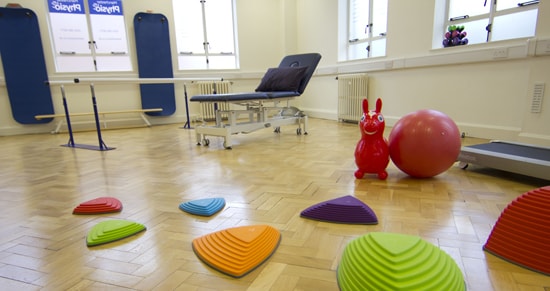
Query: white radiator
(208, 110)
(352, 89)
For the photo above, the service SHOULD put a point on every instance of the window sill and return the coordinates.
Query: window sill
(471, 53)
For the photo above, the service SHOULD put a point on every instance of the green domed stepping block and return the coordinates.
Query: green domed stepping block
(112, 230)
(389, 261)
(98, 206)
(203, 207)
(521, 234)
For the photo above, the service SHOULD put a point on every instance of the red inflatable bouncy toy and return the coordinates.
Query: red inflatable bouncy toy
(372, 152)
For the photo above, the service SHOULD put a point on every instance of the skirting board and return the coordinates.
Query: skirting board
(470, 130)
(131, 122)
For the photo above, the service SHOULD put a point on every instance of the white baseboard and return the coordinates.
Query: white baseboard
(80, 124)
(321, 114)
(26, 129)
(538, 139)
(506, 133)
(469, 129)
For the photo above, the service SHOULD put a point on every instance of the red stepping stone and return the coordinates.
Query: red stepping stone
(521, 234)
(98, 206)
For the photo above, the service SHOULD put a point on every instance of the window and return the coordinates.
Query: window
(205, 34)
(92, 41)
(366, 29)
(493, 20)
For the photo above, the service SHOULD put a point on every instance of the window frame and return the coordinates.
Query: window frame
(207, 55)
(489, 16)
(349, 43)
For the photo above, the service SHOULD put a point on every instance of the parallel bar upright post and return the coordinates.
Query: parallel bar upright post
(102, 145)
(188, 123)
(67, 117)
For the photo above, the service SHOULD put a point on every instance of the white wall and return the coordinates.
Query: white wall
(486, 97)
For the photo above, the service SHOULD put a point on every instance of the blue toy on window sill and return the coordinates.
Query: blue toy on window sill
(455, 36)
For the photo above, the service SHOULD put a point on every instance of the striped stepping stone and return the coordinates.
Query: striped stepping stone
(391, 261)
(98, 206)
(346, 209)
(521, 234)
(203, 207)
(239, 250)
(112, 230)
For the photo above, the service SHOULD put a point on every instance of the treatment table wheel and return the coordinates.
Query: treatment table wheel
(277, 129)
(299, 131)
(205, 142)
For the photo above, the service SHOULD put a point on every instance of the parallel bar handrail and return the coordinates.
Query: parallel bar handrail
(128, 80)
(92, 81)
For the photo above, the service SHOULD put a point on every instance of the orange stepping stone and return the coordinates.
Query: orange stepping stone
(98, 206)
(239, 250)
(521, 234)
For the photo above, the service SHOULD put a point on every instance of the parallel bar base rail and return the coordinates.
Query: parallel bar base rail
(101, 144)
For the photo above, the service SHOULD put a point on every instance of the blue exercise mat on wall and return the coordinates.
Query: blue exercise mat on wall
(154, 61)
(24, 65)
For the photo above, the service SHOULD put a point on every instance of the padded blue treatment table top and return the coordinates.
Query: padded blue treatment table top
(235, 97)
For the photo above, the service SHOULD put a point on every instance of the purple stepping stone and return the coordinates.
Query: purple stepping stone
(346, 209)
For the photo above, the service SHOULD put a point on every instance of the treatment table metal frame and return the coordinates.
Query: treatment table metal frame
(259, 116)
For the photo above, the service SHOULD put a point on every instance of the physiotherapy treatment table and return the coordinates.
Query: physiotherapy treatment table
(279, 86)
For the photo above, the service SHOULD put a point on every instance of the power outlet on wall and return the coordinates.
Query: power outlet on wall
(500, 53)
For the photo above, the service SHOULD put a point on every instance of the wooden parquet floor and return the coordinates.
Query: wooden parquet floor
(267, 178)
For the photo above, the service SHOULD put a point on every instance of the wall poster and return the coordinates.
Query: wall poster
(90, 42)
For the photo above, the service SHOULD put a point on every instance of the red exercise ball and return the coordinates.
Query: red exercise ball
(424, 143)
